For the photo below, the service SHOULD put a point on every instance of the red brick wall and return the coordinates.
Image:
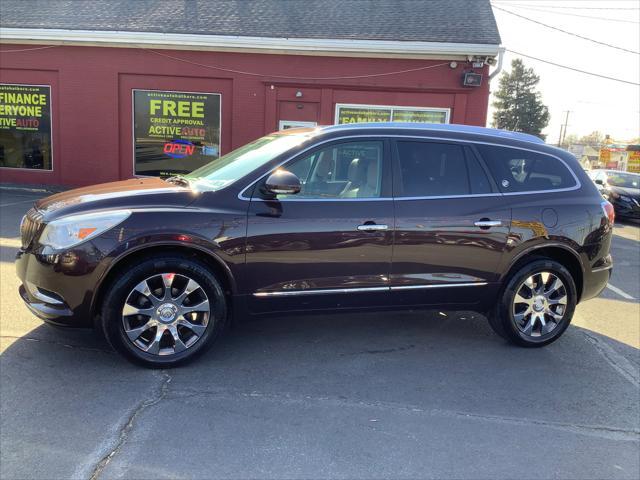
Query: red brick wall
(92, 112)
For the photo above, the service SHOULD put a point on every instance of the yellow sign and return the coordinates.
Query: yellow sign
(633, 162)
(605, 155)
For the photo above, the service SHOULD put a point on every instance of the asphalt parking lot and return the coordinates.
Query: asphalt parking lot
(404, 395)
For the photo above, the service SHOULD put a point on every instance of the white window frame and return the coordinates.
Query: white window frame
(447, 111)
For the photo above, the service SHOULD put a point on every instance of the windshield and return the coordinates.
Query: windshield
(235, 165)
(625, 180)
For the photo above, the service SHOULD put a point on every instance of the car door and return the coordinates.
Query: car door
(328, 246)
(451, 225)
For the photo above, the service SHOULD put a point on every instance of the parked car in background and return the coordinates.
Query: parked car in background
(351, 217)
(622, 189)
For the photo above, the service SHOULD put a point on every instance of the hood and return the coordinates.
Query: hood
(629, 192)
(134, 193)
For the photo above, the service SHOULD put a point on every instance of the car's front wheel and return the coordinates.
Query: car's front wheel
(536, 305)
(164, 311)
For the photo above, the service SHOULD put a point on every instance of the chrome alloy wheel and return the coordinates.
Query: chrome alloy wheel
(166, 314)
(539, 304)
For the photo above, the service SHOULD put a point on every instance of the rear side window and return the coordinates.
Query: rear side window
(429, 169)
(516, 170)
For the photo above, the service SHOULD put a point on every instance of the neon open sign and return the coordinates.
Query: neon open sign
(179, 148)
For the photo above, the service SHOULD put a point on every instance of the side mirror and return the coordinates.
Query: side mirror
(599, 182)
(282, 182)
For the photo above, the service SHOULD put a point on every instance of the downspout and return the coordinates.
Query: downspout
(499, 65)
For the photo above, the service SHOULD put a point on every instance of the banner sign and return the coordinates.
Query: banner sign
(375, 113)
(633, 161)
(25, 126)
(175, 132)
(363, 114)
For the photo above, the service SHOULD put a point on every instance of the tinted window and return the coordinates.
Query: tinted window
(621, 179)
(477, 176)
(516, 170)
(345, 170)
(432, 169)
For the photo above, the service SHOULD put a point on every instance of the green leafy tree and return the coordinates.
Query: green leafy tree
(517, 104)
(594, 139)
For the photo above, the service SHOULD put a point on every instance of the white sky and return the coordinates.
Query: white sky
(595, 104)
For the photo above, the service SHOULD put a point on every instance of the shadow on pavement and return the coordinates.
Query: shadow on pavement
(66, 399)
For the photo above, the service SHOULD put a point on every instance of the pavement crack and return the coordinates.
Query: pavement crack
(601, 431)
(156, 397)
(617, 361)
(54, 342)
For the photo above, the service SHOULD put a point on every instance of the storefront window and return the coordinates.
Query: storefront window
(25, 126)
(175, 132)
(381, 113)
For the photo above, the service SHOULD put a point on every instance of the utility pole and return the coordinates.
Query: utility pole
(563, 128)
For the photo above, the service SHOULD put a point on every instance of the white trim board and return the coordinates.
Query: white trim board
(291, 46)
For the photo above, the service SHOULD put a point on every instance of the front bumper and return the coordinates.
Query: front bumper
(626, 209)
(59, 288)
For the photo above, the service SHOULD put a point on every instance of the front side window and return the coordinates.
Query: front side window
(25, 126)
(516, 170)
(433, 170)
(242, 161)
(345, 170)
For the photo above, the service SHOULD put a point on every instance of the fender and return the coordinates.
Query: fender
(533, 248)
(163, 243)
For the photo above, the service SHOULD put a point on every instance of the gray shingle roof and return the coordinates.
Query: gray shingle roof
(455, 21)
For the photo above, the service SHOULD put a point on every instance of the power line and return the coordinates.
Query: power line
(573, 69)
(570, 14)
(564, 31)
(571, 8)
(256, 74)
(27, 49)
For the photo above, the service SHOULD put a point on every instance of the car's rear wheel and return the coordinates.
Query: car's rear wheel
(164, 311)
(536, 305)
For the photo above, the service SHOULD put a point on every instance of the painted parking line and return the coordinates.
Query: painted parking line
(622, 293)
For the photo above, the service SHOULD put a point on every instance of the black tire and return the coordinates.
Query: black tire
(111, 318)
(502, 319)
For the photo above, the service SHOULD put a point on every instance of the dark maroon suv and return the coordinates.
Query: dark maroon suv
(368, 216)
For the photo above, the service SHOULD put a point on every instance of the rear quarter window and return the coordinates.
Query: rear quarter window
(516, 170)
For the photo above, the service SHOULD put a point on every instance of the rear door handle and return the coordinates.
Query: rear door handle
(372, 227)
(486, 223)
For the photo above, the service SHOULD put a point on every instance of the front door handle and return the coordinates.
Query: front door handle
(372, 227)
(486, 223)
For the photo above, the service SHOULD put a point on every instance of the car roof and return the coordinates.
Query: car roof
(608, 170)
(435, 127)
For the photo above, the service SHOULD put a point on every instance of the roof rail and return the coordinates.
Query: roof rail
(441, 127)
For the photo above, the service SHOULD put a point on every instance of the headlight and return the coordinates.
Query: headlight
(70, 231)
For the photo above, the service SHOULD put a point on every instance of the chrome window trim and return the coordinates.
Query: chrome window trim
(331, 291)
(577, 186)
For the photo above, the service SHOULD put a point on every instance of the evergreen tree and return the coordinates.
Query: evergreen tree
(518, 106)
